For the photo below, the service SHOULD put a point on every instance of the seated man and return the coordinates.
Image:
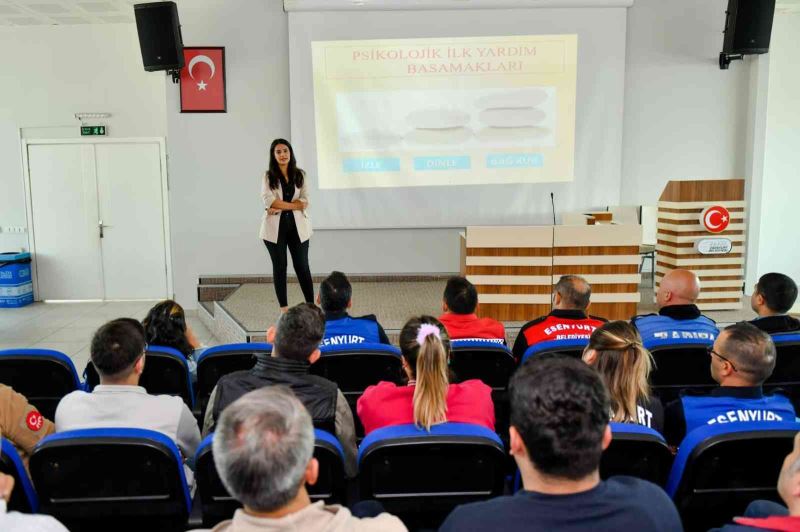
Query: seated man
(21, 423)
(459, 305)
(742, 358)
(263, 450)
(335, 297)
(559, 429)
(773, 296)
(118, 354)
(567, 320)
(768, 515)
(295, 346)
(678, 317)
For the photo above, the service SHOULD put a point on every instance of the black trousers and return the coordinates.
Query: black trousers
(288, 238)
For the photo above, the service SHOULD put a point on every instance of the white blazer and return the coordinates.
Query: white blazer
(271, 222)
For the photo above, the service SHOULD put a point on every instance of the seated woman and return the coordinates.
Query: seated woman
(428, 398)
(165, 325)
(615, 349)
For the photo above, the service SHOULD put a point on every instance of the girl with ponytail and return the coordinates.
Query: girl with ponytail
(429, 398)
(615, 350)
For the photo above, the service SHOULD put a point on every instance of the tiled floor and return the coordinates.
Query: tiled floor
(68, 327)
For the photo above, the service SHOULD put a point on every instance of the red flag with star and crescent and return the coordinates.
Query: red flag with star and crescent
(203, 80)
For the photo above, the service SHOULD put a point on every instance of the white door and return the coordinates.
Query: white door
(98, 220)
(131, 210)
(64, 200)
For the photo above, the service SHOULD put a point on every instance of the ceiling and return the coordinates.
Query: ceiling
(68, 12)
(65, 12)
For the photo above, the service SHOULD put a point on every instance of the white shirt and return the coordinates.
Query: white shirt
(122, 406)
(18, 522)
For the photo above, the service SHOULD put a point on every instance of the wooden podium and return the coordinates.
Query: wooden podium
(514, 267)
(685, 240)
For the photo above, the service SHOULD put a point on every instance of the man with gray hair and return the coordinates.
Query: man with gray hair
(295, 343)
(742, 358)
(263, 450)
(568, 319)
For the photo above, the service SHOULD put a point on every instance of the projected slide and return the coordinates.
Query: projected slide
(417, 112)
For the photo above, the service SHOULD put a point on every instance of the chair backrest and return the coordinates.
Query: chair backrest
(217, 504)
(786, 374)
(491, 362)
(166, 372)
(95, 477)
(680, 366)
(354, 367)
(649, 221)
(636, 451)
(417, 474)
(572, 347)
(720, 469)
(23, 497)
(43, 376)
(218, 361)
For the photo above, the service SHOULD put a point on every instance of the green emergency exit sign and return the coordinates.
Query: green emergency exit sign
(92, 130)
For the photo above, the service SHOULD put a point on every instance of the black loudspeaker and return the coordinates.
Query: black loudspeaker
(159, 36)
(748, 26)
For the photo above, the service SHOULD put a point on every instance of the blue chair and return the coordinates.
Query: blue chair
(218, 361)
(23, 497)
(43, 376)
(217, 504)
(354, 367)
(491, 362)
(636, 451)
(786, 375)
(166, 372)
(721, 468)
(101, 479)
(572, 347)
(679, 366)
(421, 476)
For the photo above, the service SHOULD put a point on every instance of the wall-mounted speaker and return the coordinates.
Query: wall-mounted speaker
(748, 26)
(159, 35)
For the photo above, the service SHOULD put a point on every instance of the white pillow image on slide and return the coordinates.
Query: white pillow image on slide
(371, 139)
(512, 134)
(453, 135)
(438, 118)
(512, 117)
(511, 99)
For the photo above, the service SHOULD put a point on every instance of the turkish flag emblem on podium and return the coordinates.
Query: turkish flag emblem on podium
(203, 80)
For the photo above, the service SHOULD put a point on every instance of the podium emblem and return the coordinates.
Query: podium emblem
(715, 218)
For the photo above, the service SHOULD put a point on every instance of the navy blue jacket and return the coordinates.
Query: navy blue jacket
(341, 328)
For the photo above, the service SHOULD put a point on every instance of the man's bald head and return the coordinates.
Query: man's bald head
(572, 292)
(678, 287)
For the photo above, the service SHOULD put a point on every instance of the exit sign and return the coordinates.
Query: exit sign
(93, 130)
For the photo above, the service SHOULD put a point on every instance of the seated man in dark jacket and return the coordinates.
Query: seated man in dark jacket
(335, 297)
(678, 316)
(773, 296)
(742, 358)
(559, 429)
(295, 346)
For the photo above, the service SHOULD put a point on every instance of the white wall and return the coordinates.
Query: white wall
(778, 230)
(51, 72)
(684, 117)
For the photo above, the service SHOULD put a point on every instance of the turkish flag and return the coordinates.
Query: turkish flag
(203, 80)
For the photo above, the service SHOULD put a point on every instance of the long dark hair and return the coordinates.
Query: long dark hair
(274, 175)
(165, 325)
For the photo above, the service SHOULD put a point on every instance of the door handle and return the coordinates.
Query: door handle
(100, 225)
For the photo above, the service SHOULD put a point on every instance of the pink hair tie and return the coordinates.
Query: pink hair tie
(425, 330)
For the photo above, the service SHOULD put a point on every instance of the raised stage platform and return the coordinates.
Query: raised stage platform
(241, 308)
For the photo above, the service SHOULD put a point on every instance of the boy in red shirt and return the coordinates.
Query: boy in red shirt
(459, 304)
(567, 320)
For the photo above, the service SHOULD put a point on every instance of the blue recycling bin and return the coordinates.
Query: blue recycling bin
(16, 287)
